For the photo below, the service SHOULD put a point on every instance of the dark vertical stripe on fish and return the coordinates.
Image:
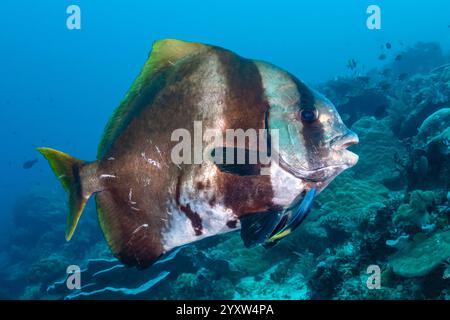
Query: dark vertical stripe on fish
(313, 133)
(246, 108)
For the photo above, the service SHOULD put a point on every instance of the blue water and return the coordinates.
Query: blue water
(58, 87)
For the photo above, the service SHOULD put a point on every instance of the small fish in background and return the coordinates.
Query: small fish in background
(388, 45)
(29, 164)
(352, 64)
(382, 56)
(398, 57)
(402, 76)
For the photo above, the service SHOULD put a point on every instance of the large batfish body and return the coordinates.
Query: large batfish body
(148, 204)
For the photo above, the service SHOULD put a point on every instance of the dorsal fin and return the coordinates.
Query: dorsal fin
(168, 51)
(164, 54)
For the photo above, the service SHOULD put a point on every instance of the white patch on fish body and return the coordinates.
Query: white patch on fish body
(179, 230)
(214, 218)
(285, 186)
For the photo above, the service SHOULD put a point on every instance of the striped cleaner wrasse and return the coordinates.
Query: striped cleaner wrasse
(148, 204)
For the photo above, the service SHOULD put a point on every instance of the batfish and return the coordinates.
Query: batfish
(148, 204)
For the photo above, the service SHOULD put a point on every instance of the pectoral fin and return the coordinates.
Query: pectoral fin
(267, 228)
(296, 215)
(256, 228)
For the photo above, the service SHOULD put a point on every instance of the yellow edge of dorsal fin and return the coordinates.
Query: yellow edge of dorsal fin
(167, 52)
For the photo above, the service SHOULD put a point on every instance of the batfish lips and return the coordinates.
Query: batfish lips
(311, 145)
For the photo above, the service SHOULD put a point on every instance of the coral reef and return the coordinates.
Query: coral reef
(377, 150)
(416, 212)
(36, 253)
(423, 95)
(391, 210)
(422, 256)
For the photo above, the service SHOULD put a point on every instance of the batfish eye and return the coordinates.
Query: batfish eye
(309, 115)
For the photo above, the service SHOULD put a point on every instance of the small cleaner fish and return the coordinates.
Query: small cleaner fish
(148, 205)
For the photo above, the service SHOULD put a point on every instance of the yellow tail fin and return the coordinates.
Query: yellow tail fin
(67, 169)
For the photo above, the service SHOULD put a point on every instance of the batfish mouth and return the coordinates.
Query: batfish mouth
(320, 174)
(351, 158)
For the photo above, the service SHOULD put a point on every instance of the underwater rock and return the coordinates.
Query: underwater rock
(268, 286)
(421, 58)
(416, 213)
(369, 102)
(440, 145)
(201, 285)
(355, 98)
(427, 165)
(345, 205)
(36, 251)
(422, 256)
(377, 149)
(46, 269)
(432, 127)
(326, 280)
(446, 273)
(241, 258)
(353, 198)
(423, 95)
(421, 166)
(37, 210)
